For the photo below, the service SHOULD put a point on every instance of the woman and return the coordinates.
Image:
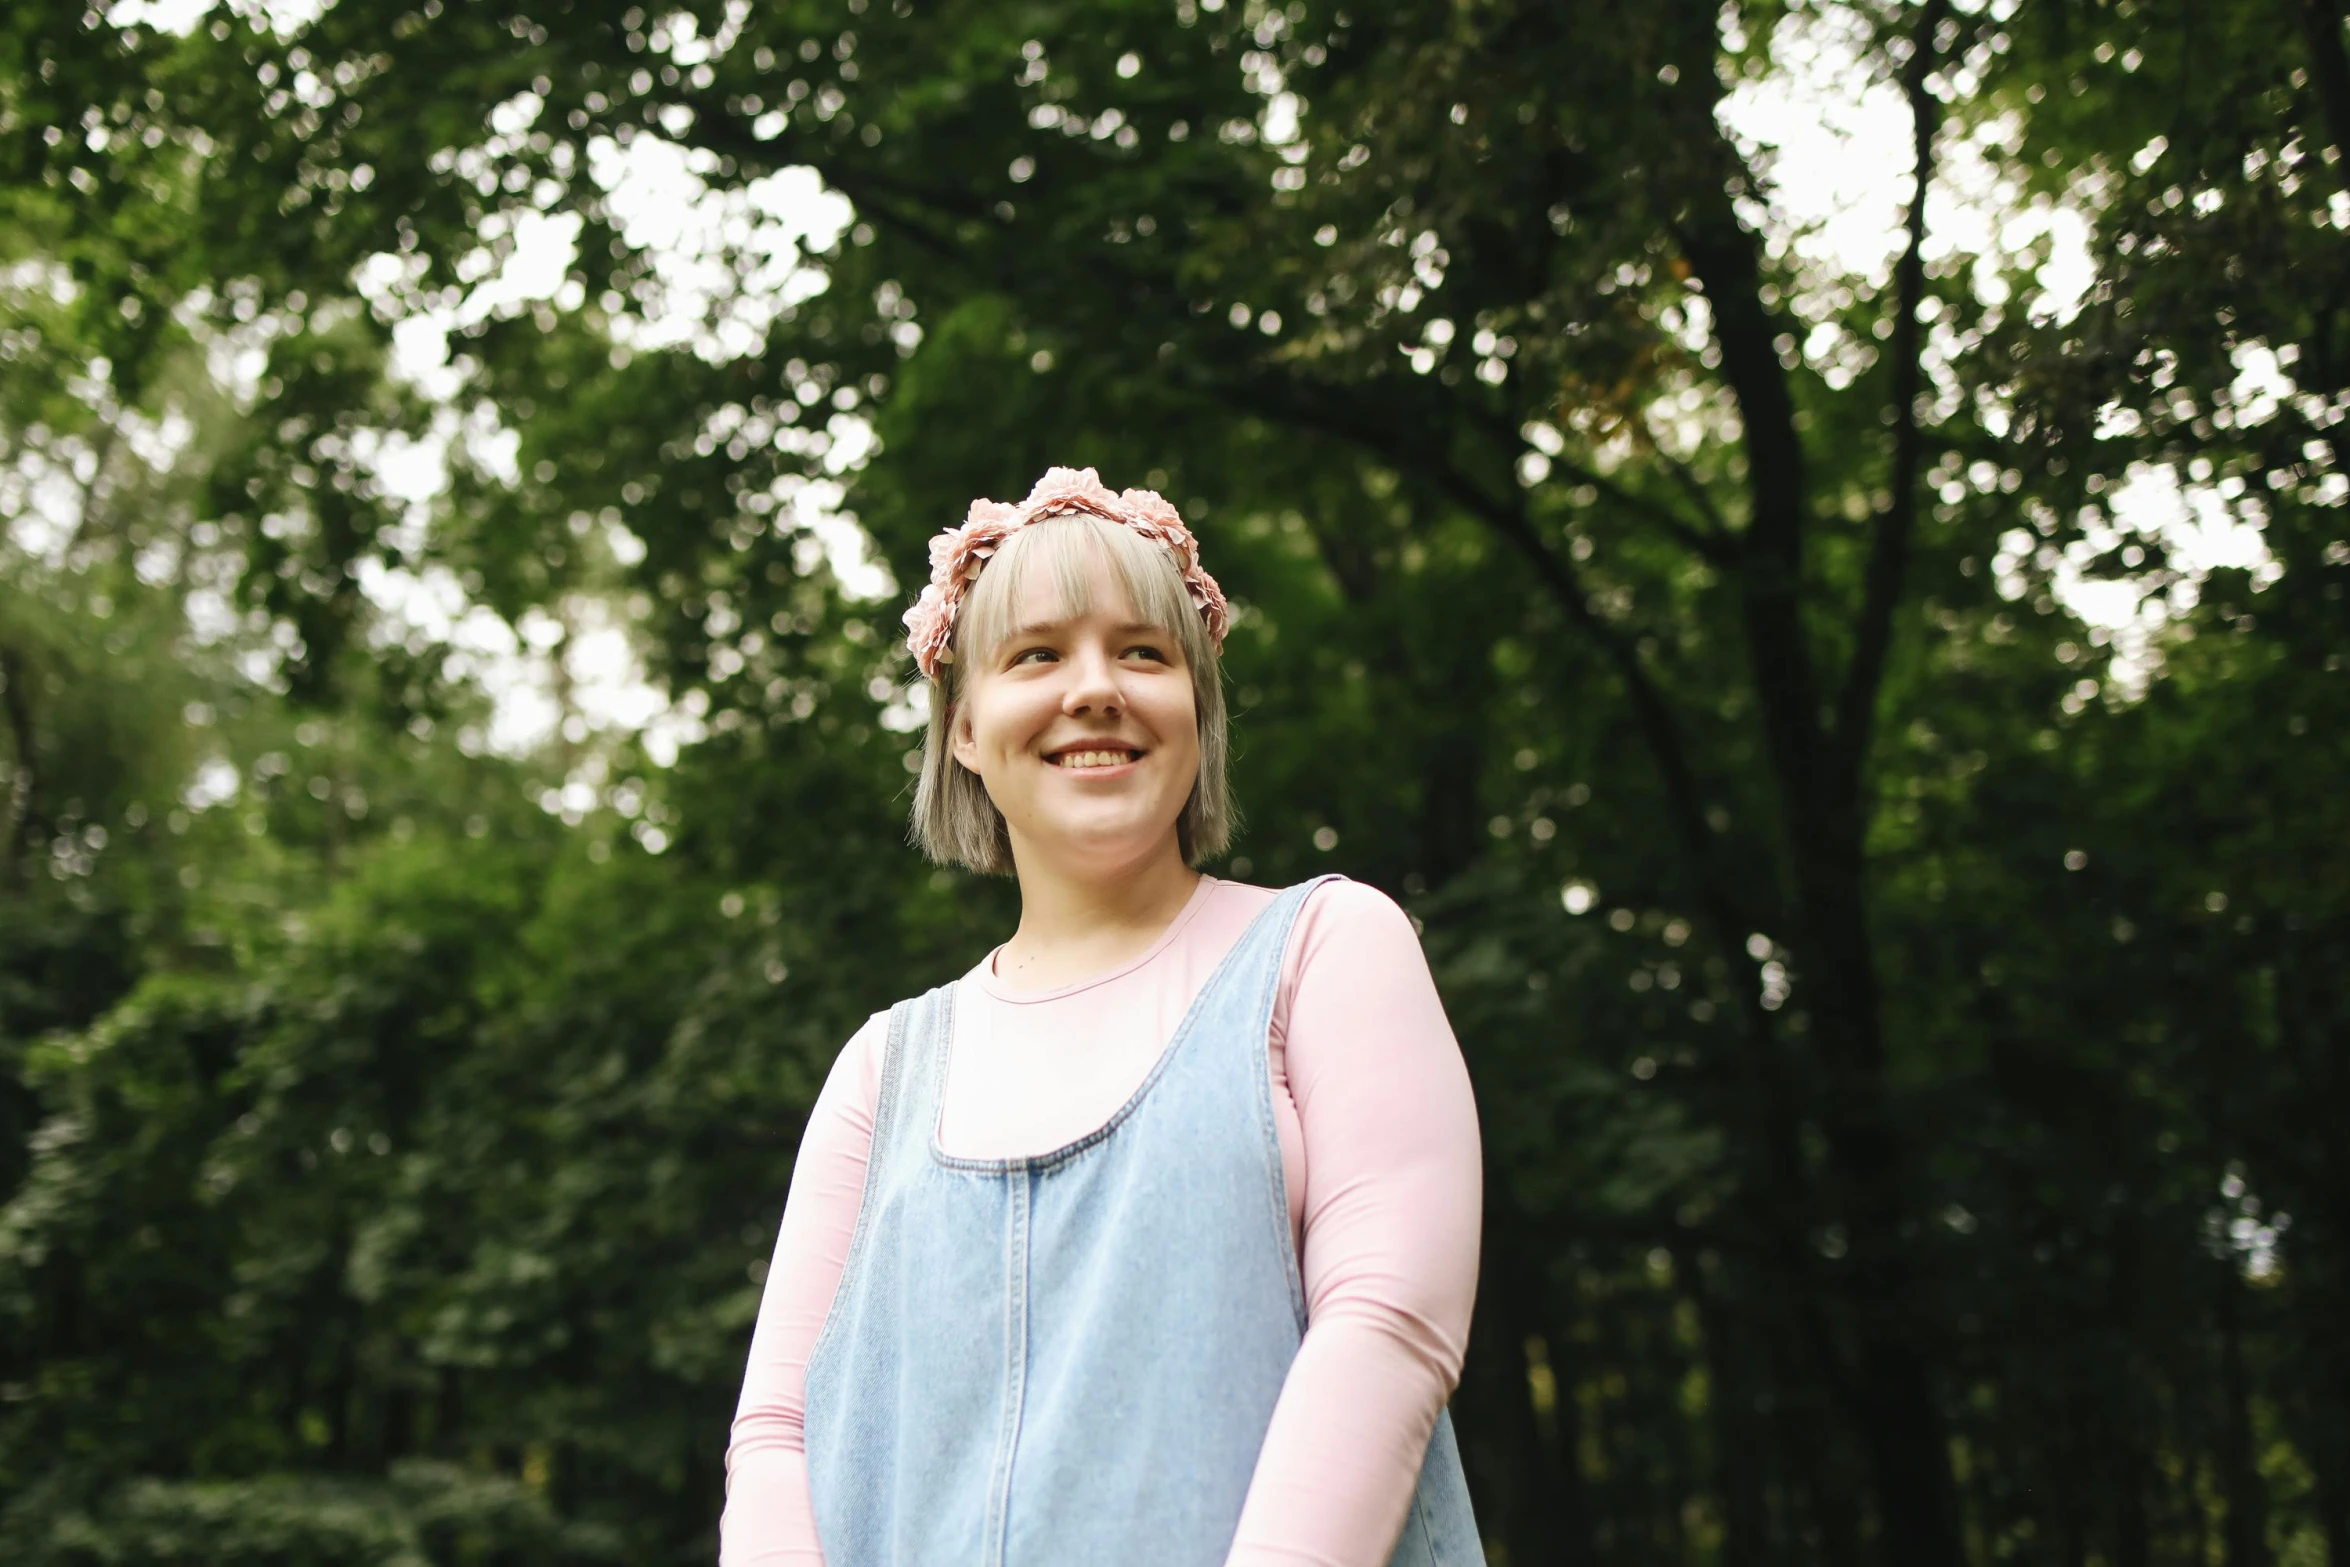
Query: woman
(1151, 1240)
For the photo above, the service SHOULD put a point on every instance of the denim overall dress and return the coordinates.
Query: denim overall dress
(1071, 1360)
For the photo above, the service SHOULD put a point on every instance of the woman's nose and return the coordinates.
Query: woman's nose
(1093, 684)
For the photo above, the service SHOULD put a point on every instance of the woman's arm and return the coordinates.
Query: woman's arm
(768, 1519)
(1393, 1199)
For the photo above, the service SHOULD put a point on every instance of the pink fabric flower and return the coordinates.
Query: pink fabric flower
(957, 554)
(1071, 489)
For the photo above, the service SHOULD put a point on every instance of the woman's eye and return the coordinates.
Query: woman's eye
(1147, 652)
(1032, 655)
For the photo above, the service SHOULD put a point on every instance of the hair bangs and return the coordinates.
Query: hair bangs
(1071, 547)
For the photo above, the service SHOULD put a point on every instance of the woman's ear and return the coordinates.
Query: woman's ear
(962, 744)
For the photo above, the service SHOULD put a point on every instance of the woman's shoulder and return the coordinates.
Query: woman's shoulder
(859, 1061)
(1337, 911)
(868, 1047)
(1355, 916)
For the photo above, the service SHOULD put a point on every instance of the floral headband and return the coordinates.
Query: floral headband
(957, 554)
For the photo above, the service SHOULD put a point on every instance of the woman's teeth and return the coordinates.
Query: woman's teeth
(1093, 758)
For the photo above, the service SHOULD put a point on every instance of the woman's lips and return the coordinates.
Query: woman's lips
(1098, 759)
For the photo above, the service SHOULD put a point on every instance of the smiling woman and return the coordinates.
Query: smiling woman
(1153, 1239)
(1074, 611)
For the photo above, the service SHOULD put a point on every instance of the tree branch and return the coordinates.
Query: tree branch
(1717, 906)
(1414, 443)
(884, 199)
(1723, 255)
(1896, 521)
(25, 772)
(2321, 23)
(1709, 539)
(1687, 479)
(1651, 713)
(1710, 543)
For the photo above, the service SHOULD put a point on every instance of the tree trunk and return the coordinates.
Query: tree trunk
(1577, 1542)
(2310, 1022)
(1830, 1510)
(398, 1437)
(20, 805)
(1817, 752)
(2132, 1540)
(1506, 1473)
(2247, 1499)
(2333, 1475)
(1911, 1462)
(1738, 1441)
(2321, 26)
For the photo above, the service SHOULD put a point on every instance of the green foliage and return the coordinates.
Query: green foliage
(1906, 1016)
(425, 1513)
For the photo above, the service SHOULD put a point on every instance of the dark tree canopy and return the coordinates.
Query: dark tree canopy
(1906, 995)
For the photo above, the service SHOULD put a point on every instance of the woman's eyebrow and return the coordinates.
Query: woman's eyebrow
(1037, 628)
(1046, 628)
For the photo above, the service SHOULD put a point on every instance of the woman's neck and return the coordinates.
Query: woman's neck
(1072, 926)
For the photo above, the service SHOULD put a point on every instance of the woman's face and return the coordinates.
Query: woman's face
(1083, 728)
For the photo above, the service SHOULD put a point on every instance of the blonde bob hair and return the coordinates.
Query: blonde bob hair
(955, 823)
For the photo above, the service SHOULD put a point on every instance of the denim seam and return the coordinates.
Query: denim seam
(1420, 1512)
(1261, 1095)
(885, 1109)
(999, 1504)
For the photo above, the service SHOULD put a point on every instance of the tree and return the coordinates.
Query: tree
(1927, 956)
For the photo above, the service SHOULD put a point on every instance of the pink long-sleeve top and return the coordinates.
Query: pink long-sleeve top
(1379, 1146)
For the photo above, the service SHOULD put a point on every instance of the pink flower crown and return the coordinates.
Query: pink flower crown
(957, 554)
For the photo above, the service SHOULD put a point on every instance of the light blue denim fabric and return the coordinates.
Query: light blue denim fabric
(1072, 1359)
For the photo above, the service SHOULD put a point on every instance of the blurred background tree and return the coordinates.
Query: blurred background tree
(1860, 721)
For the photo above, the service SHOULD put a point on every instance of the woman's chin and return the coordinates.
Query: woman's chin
(1093, 839)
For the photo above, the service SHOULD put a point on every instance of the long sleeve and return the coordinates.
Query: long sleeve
(1393, 1198)
(769, 1521)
